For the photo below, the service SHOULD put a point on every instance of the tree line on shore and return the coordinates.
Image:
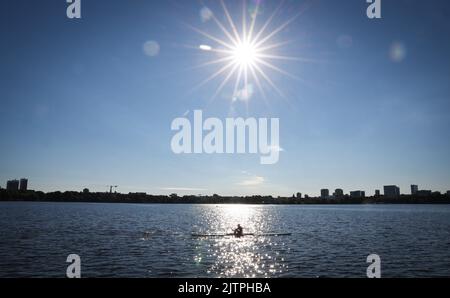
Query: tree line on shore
(101, 197)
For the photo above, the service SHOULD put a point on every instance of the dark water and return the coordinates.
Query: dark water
(115, 240)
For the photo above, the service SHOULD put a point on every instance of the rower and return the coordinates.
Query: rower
(239, 231)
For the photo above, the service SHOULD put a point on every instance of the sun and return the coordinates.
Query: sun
(246, 56)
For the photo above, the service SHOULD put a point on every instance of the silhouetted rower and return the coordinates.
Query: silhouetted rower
(239, 231)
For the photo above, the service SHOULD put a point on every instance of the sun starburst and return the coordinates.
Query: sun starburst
(246, 55)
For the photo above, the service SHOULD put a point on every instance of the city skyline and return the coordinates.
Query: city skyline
(390, 191)
(89, 102)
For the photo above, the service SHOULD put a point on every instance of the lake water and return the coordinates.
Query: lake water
(131, 240)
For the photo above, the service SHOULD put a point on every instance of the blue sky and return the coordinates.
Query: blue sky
(83, 105)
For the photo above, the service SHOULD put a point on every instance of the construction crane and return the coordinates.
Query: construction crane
(111, 187)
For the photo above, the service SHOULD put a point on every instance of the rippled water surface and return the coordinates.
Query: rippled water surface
(129, 240)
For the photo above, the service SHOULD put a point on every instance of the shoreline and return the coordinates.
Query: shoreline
(261, 204)
(141, 198)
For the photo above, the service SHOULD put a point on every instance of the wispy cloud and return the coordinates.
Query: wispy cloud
(252, 181)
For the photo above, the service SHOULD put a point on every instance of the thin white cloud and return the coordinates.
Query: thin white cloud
(252, 181)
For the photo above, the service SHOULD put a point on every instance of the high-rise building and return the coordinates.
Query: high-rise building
(448, 193)
(12, 185)
(338, 193)
(357, 194)
(377, 193)
(324, 193)
(23, 184)
(299, 195)
(391, 191)
(414, 189)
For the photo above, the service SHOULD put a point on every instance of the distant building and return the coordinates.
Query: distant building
(357, 194)
(12, 185)
(338, 193)
(377, 193)
(414, 189)
(448, 193)
(391, 191)
(424, 193)
(324, 193)
(299, 195)
(23, 186)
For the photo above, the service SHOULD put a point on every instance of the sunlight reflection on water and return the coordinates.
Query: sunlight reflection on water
(249, 256)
